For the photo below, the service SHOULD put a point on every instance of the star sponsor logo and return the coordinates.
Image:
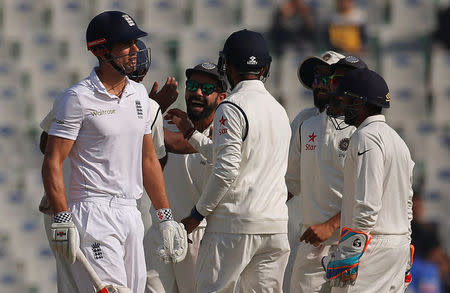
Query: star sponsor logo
(223, 120)
(312, 137)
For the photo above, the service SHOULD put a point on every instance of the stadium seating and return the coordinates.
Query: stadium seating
(43, 50)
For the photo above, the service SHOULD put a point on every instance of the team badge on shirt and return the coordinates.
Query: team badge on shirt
(343, 144)
(97, 250)
(139, 111)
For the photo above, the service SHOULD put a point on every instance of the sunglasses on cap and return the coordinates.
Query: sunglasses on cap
(327, 78)
(207, 88)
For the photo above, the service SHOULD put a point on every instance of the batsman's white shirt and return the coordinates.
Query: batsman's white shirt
(378, 181)
(323, 150)
(246, 192)
(108, 132)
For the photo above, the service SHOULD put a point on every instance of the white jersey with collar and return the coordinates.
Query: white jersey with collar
(378, 180)
(293, 171)
(108, 132)
(246, 192)
(323, 150)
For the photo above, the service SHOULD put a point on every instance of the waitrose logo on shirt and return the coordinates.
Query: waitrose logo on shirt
(103, 112)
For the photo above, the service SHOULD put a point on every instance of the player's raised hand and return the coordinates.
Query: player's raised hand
(167, 95)
(180, 119)
(65, 239)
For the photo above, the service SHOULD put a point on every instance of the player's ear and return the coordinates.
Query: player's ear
(222, 96)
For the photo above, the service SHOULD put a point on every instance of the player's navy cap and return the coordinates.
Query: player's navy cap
(207, 68)
(110, 27)
(351, 62)
(305, 71)
(365, 84)
(247, 51)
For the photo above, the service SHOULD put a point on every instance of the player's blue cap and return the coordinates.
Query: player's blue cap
(367, 85)
(247, 51)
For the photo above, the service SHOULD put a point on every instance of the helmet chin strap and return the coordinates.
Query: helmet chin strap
(110, 59)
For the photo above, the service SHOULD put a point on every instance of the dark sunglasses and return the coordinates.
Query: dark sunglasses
(327, 78)
(207, 88)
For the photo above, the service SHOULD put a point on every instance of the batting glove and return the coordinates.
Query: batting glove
(341, 266)
(174, 236)
(64, 236)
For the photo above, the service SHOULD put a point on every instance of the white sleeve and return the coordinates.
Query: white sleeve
(293, 170)
(68, 117)
(229, 128)
(46, 123)
(202, 144)
(369, 164)
(158, 135)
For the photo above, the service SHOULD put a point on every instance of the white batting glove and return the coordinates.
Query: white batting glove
(174, 236)
(64, 236)
(113, 289)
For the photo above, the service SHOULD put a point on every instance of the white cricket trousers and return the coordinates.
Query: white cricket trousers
(111, 236)
(382, 267)
(294, 230)
(65, 280)
(258, 260)
(308, 274)
(171, 278)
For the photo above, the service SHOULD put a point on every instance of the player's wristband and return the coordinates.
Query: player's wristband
(62, 217)
(189, 133)
(196, 215)
(164, 215)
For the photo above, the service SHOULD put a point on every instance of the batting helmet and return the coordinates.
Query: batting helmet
(111, 27)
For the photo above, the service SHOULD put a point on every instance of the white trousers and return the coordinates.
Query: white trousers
(382, 267)
(258, 260)
(294, 229)
(65, 280)
(171, 278)
(308, 274)
(111, 236)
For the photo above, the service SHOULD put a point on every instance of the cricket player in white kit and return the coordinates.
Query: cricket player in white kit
(103, 125)
(305, 74)
(373, 254)
(244, 198)
(185, 176)
(321, 149)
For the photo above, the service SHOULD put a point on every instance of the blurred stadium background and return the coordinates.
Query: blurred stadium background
(43, 51)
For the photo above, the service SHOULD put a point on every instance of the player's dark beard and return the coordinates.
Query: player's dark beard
(208, 109)
(320, 98)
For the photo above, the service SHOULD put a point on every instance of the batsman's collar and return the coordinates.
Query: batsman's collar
(305, 71)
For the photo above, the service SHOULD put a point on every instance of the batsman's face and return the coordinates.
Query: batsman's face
(200, 105)
(126, 55)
